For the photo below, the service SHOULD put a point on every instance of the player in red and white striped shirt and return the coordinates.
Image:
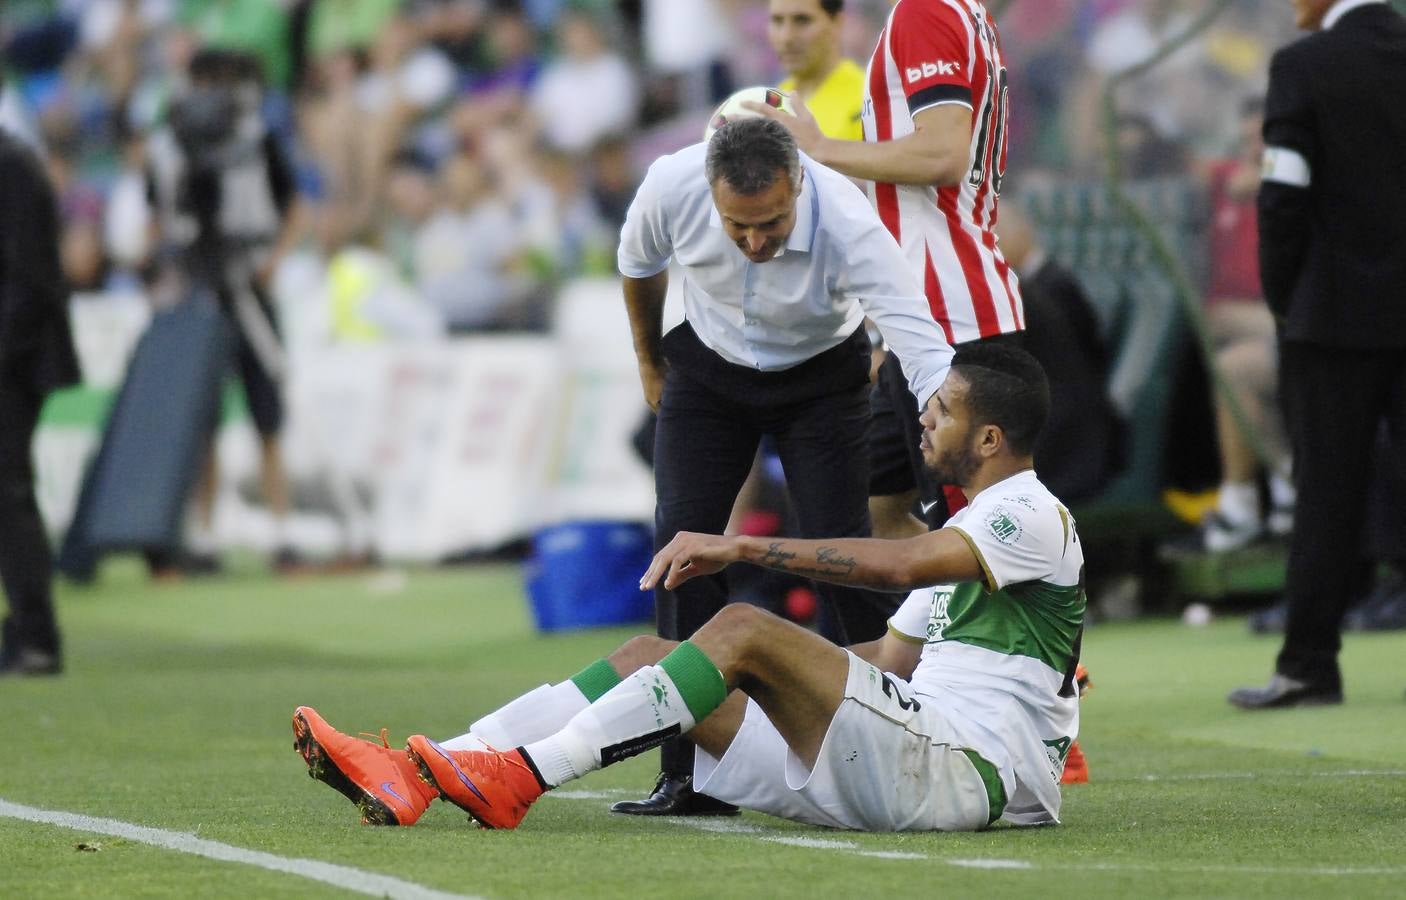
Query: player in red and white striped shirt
(935, 128)
(934, 54)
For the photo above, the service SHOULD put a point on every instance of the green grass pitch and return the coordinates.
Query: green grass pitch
(175, 715)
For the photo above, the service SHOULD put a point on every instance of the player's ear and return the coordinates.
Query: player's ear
(992, 440)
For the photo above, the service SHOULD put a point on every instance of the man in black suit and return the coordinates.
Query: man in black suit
(36, 356)
(1332, 215)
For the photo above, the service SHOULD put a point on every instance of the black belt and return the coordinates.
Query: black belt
(843, 367)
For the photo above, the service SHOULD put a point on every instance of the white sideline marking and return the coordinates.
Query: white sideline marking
(362, 882)
(990, 863)
(721, 826)
(813, 843)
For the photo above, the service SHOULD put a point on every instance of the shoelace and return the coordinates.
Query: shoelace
(494, 763)
(384, 736)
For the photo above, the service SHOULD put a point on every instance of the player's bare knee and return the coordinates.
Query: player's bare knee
(638, 651)
(730, 636)
(739, 620)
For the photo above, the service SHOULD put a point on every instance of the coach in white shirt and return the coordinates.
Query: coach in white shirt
(782, 259)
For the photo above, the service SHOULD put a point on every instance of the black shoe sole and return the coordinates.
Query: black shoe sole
(21, 671)
(1319, 699)
(688, 809)
(323, 769)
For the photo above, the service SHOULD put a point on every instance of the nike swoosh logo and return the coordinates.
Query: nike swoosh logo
(387, 786)
(927, 507)
(460, 772)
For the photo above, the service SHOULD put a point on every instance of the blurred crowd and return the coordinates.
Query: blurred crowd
(471, 155)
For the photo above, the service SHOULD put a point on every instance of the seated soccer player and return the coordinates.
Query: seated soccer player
(962, 714)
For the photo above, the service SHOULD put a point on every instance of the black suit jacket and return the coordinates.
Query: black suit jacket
(1333, 254)
(36, 344)
(1083, 443)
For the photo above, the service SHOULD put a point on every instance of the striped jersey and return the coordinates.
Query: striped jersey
(999, 654)
(933, 52)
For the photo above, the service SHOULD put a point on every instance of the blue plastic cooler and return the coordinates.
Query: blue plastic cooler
(586, 574)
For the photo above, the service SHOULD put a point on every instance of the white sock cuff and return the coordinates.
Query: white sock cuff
(468, 741)
(531, 717)
(637, 714)
(1239, 501)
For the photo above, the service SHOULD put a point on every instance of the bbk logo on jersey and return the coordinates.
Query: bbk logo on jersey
(931, 69)
(940, 618)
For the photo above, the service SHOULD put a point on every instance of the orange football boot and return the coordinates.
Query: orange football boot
(495, 787)
(1076, 767)
(381, 782)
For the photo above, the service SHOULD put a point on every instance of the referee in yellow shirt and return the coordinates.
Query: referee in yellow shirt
(806, 37)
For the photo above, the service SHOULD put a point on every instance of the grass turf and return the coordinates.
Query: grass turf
(175, 710)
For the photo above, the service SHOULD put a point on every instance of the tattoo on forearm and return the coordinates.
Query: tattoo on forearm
(775, 557)
(829, 563)
(829, 556)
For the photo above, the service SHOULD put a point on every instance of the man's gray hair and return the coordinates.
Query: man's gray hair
(748, 154)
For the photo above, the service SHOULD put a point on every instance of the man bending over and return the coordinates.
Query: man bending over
(960, 715)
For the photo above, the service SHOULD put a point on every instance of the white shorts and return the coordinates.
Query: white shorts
(887, 763)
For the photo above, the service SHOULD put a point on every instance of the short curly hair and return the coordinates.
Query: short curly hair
(1006, 387)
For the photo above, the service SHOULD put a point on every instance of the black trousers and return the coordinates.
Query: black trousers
(712, 417)
(1334, 400)
(26, 563)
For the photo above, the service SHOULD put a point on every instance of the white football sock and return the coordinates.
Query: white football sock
(1239, 502)
(278, 530)
(538, 713)
(200, 538)
(1282, 492)
(640, 712)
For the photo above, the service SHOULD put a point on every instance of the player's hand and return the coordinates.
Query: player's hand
(800, 123)
(652, 380)
(689, 555)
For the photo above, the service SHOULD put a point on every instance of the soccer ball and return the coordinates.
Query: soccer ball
(732, 109)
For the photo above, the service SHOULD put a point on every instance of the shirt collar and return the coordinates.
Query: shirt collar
(1342, 8)
(803, 235)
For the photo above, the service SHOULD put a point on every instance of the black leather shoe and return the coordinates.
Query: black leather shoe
(1284, 691)
(674, 796)
(29, 661)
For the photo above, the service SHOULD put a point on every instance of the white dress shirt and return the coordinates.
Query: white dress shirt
(838, 265)
(1342, 8)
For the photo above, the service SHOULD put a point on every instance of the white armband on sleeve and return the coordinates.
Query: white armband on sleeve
(1284, 166)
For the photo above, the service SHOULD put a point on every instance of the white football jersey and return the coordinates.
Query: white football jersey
(999, 655)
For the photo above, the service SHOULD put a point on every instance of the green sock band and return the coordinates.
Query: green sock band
(699, 682)
(594, 680)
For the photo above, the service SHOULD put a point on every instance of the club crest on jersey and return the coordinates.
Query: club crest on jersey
(929, 69)
(1004, 526)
